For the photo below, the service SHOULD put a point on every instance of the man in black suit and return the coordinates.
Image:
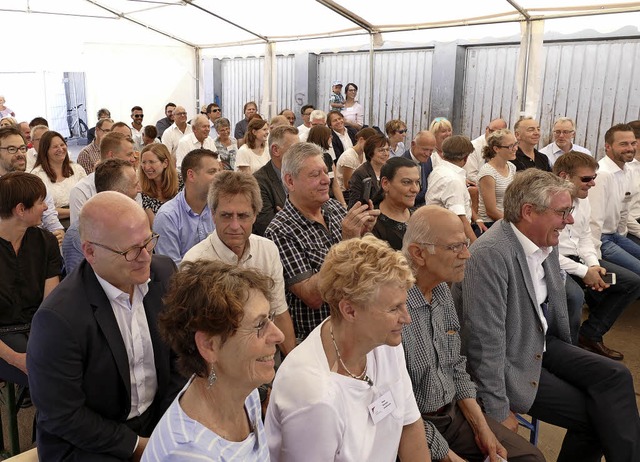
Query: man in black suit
(100, 376)
(420, 152)
(271, 188)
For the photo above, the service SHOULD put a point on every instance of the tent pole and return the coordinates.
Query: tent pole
(525, 76)
(371, 77)
(198, 78)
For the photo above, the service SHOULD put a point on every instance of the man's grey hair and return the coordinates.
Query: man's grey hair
(101, 122)
(421, 228)
(37, 128)
(565, 119)
(200, 119)
(294, 159)
(532, 186)
(317, 114)
(276, 136)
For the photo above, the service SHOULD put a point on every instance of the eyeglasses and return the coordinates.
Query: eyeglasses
(180, 113)
(106, 130)
(587, 179)
(402, 131)
(455, 248)
(260, 328)
(564, 212)
(563, 132)
(215, 110)
(132, 253)
(509, 146)
(15, 149)
(138, 116)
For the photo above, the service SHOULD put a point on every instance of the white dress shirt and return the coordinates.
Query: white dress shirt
(575, 239)
(172, 135)
(448, 188)
(475, 159)
(552, 151)
(188, 143)
(134, 328)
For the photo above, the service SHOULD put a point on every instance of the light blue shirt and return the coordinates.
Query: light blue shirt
(180, 228)
(72, 248)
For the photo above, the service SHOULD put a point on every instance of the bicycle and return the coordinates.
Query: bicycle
(77, 127)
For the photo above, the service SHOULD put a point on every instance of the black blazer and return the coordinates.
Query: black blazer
(338, 148)
(273, 196)
(355, 183)
(427, 168)
(79, 370)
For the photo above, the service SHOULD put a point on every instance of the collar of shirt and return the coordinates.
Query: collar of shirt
(225, 253)
(115, 294)
(184, 205)
(540, 254)
(462, 173)
(607, 165)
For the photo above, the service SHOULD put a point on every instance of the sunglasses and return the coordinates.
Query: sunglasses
(587, 179)
(138, 116)
(215, 110)
(402, 131)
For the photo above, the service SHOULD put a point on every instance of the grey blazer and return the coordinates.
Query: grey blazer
(502, 334)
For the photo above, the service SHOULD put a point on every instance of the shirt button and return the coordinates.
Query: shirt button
(539, 328)
(538, 356)
(534, 384)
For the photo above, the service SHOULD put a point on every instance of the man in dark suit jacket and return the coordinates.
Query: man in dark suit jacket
(420, 152)
(336, 119)
(515, 331)
(99, 374)
(271, 188)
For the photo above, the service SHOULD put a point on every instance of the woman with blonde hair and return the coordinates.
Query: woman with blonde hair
(158, 179)
(348, 380)
(441, 129)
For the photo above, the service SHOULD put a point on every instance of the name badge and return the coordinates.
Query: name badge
(382, 407)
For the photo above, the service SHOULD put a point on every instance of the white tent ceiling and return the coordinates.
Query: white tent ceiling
(218, 23)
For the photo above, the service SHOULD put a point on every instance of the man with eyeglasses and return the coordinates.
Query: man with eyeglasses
(234, 200)
(475, 160)
(611, 199)
(32, 154)
(437, 248)
(172, 135)
(527, 131)
(305, 111)
(579, 258)
(214, 112)
(90, 154)
(13, 151)
(103, 113)
(185, 220)
(99, 373)
(564, 130)
(515, 330)
(110, 175)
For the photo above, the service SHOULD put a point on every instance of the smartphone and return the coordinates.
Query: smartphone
(609, 278)
(366, 191)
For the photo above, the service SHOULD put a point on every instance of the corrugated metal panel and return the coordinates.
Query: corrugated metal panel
(594, 83)
(591, 82)
(397, 94)
(242, 81)
(490, 87)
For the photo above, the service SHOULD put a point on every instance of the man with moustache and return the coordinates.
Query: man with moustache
(515, 330)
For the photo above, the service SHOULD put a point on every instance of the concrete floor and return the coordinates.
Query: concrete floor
(622, 337)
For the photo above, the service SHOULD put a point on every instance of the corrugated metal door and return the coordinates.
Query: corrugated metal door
(402, 84)
(490, 87)
(242, 81)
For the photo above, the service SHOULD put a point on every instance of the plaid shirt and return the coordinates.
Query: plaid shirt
(432, 351)
(89, 156)
(303, 244)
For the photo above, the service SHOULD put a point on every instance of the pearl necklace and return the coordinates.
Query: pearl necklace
(364, 377)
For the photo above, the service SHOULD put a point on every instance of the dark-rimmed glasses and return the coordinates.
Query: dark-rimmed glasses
(14, 149)
(587, 179)
(132, 253)
(510, 147)
(563, 212)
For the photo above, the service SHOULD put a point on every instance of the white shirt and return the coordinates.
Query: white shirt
(475, 159)
(576, 240)
(259, 253)
(436, 159)
(535, 256)
(247, 158)
(31, 156)
(303, 132)
(346, 141)
(448, 189)
(137, 138)
(316, 415)
(213, 134)
(172, 135)
(80, 194)
(188, 143)
(610, 199)
(61, 190)
(134, 328)
(552, 151)
(349, 159)
(634, 207)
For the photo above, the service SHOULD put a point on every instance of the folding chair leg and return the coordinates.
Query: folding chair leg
(10, 397)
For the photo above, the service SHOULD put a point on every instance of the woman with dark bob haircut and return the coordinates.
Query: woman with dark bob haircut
(376, 153)
(218, 321)
(30, 265)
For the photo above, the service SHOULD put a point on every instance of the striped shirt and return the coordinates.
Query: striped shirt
(177, 437)
(500, 187)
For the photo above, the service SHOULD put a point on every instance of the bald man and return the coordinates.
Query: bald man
(177, 130)
(198, 139)
(99, 373)
(475, 160)
(422, 147)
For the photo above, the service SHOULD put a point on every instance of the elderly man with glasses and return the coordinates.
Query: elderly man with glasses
(515, 330)
(564, 130)
(99, 373)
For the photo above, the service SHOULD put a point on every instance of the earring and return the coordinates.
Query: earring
(212, 378)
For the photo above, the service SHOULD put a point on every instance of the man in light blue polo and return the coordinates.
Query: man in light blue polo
(186, 220)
